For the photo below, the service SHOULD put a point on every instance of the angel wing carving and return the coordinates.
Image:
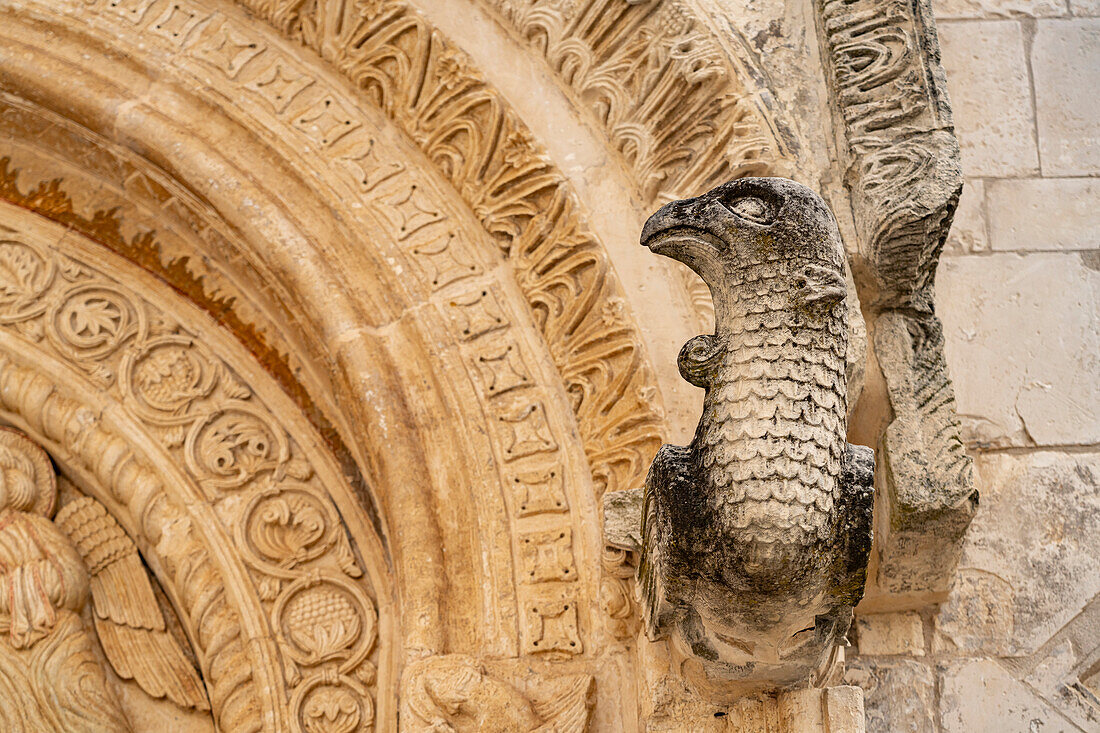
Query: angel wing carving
(566, 704)
(127, 616)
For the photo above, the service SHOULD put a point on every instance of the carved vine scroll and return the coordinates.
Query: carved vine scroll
(284, 625)
(901, 158)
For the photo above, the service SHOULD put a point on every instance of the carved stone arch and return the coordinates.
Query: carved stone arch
(232, 498)
(368, 214)
(532, 353)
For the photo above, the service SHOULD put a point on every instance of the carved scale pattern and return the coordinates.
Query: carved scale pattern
(776, 416)
(239, 460)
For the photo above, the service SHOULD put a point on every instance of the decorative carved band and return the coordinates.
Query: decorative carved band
(286, 615)
(901, 152)
(902, 162)
(662, 86)
(429, 87)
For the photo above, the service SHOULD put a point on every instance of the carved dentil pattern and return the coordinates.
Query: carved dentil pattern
(239, 457)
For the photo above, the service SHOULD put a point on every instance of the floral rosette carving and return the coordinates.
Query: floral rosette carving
(287, 528)
(229, 448)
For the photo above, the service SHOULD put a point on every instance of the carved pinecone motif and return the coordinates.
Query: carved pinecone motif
(322, 620)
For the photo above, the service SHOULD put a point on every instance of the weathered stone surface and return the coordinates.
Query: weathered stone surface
(1021, 213)
(968, 233)
(1086, 8)
(890, 633)
(991, 96)
(622, 519)
(1029, 561)
(899, 694)
(1023, 344)
(979, 696)
(897, 142)
(760, 528)
(1065, 60)
(954, 9)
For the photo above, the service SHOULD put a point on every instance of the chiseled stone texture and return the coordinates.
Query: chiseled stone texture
(946, 9)
(1021, 213)
(1085, 8)
(898, 694)
(1029, 563)
(1023, 346)
(979, 696)
(968, 229)
(890, 633)
(991, 97)
(1065, 60)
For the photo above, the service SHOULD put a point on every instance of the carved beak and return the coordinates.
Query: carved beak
(676, 231)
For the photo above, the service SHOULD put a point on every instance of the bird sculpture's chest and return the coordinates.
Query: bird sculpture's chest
(771, 436)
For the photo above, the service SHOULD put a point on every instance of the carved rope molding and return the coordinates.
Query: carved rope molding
(282, 623)
(901, 158)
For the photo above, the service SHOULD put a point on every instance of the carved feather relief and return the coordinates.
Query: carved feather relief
(755, 536)
(128, 619)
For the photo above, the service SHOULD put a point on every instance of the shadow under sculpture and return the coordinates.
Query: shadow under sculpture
(755, 537)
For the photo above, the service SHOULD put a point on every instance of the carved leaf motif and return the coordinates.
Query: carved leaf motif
(93, 317)
(331, 710)
(287, 527)
(232, 447)
(20, 270)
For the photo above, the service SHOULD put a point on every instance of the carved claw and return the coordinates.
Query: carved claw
(819, 284)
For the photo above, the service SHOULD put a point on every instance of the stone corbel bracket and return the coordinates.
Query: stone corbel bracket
(753, 540)
(901, 160)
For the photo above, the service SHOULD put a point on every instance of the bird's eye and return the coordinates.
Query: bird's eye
(752, 208)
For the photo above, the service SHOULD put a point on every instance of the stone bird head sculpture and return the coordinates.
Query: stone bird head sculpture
(755, 536)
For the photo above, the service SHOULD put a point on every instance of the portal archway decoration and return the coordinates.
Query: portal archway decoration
(234, 502)
(422, 290)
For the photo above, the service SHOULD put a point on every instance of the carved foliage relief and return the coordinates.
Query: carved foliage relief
(660, 84)
(241, 461)
(430, 89)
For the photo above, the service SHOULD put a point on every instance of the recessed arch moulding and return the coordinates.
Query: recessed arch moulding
(338, 203)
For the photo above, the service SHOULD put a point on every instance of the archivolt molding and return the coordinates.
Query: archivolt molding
(561, 274)
(430, 88)
(667, 93)
(670, 98)
(233, 507)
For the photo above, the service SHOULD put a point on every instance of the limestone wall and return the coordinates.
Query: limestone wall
(1017, 645)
